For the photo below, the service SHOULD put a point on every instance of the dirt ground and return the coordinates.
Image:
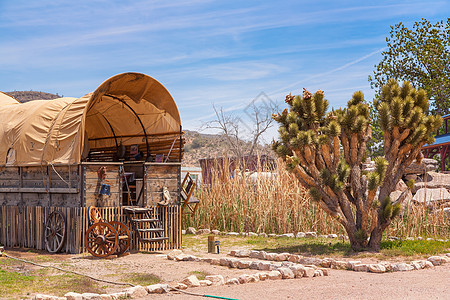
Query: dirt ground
(421, 284)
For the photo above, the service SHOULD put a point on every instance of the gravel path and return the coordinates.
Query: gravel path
(422, 284)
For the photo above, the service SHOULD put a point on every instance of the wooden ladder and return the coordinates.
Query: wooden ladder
(142, 222)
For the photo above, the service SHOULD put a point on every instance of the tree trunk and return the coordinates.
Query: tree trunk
(375, 239)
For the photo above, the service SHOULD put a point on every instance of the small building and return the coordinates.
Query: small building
(194, 172)
(228, 165)
(441, 144)
(117, 148)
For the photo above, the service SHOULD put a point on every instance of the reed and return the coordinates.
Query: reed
(236, 202)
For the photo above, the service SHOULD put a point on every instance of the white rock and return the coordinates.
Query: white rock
(360, 268)
(191, 281)
(263, 265)
(244, 278)
(232, 281)
(243, 253)
(106, 297)
(428, 265)
(252, 234)
(263, 276)
(274, 275)
(73, 296)
(232, 233)
(172, 254)
(332, 236)
(309, 272)
(215, 232)
(216, 279)
(289, 235)
(339, 265)
(263, 234)
(254, 265)
(204, 231)
(294, 258)
(136, 292)
(318, 273)
(158, 288)
(262, 255)
(402, 267)
(215, 261)
(325, 271)
(377, 268)
(205, 282)
(45, 297)
(271, 235)
(437, 260)
(183, 231)
(311, 234)
(253, 254)
(191, 230)
(281, 256)
(232, 252)
(270, 256)
(351, 263)
(224, 261)
(181, 286)
(298, 270)
(300, 235)
(233, 262)
(286, 273)
(326, 262)
(243, 264)
(430, 196)
(118, 296)
(253, 278)
(93, 296)
(310, 261)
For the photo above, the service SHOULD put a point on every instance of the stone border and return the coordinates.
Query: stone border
(274, 266)
(357, 266)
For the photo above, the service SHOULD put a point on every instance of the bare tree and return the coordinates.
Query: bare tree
(243, 136)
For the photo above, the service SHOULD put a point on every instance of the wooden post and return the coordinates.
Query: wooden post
(211, 244)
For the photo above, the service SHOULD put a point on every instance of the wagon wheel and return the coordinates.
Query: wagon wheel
(55, 232)
(124, 236)
(101, 239)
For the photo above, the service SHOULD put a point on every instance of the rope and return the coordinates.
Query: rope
(53, 167)
(67, 271)
(170, 151)
(202, 295)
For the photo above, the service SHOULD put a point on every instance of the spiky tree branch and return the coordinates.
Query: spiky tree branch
(326, 152)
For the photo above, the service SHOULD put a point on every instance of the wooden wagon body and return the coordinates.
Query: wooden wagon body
(119, 147)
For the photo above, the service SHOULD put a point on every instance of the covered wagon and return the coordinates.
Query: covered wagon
(118, 149)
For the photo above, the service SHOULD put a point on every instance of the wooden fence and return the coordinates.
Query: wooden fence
(23, 227)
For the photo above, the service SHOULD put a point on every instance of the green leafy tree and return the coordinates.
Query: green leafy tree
(420, 55)
(325, 151)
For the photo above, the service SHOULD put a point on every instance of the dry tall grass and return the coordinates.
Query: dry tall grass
(282, 205)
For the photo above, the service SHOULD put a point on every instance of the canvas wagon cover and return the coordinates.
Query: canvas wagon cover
(55, 131)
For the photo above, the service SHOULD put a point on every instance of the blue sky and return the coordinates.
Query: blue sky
(205, 52)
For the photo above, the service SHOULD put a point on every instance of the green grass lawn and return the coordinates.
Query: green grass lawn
(319, 246)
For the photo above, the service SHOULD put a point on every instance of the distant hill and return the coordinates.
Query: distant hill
(200, 145)
(25, 96)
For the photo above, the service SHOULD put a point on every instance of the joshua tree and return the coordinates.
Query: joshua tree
(326, 152)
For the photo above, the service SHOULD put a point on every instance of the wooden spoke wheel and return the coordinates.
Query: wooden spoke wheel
(101, 239)
(124, 236)
(55, 232)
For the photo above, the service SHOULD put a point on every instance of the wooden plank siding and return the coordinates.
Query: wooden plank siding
(24, 227)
